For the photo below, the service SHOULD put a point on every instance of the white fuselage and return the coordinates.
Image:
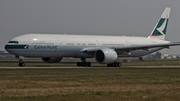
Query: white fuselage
(59, 45)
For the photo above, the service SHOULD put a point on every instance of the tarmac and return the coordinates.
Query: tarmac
(130, 67)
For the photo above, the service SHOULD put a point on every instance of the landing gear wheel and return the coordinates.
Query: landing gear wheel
(116, 64)
(78, 64)
(21, 63)
(141, 59)
(84, 64)
(89, 64)
(119, 64)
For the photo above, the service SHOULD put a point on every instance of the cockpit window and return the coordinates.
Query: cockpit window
(13, 42)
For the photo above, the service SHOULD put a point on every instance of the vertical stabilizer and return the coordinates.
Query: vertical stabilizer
(159, 31)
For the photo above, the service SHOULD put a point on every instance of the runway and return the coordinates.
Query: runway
(89, 67)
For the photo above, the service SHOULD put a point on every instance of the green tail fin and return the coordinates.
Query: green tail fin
(160, 29)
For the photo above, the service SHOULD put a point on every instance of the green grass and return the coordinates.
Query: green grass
(154, 63)
(90, 84)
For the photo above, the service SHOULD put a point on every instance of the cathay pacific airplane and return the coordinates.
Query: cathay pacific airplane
(105, 49)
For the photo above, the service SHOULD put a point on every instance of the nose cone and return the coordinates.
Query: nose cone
(11, 47)
(7, 48)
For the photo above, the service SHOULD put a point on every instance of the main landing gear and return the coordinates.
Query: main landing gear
(116, 64)
(141, 59)
(83, 63)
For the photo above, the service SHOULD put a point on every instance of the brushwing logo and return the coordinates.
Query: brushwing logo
(161, 27)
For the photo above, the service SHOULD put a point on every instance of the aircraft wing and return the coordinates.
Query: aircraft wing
(130, 48)
(145, 47)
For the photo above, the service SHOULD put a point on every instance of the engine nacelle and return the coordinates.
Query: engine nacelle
(52, 60)
(106, 56)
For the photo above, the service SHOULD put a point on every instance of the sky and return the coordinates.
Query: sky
(87, 17)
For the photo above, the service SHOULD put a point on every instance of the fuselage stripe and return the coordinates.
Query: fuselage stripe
(16, 47)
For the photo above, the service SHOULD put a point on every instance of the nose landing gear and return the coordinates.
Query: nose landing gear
(21, 62)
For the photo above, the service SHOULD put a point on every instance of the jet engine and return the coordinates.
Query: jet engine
(52, 60)
(106, 56)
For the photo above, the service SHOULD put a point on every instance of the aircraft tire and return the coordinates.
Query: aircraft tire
(116, 64)
(83, 64)
(88, 64)
(119, 64)
(21, 64)
(78, 64)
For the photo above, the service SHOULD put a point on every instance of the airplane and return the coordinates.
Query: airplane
(105, 49)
